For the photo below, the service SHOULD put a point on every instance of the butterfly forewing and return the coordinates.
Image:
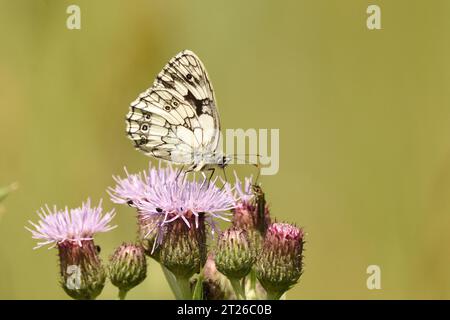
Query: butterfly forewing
(176, 119)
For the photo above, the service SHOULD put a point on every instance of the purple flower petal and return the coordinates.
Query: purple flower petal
(56, 226)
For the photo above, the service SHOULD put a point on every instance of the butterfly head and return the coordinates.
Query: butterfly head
(223, 161)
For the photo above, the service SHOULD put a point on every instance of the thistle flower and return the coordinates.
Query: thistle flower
(251, 212)
(82, 273)
(74, 225)
(243, 190)
(183, 250)
(164, 195)
(127, 268)
(279, 265)
(72, 231)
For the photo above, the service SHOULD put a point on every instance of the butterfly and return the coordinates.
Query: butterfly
(177, 118)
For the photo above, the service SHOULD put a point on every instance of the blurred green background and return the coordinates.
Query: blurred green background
(364, 123)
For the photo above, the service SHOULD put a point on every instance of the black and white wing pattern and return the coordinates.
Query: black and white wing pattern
(177, 118)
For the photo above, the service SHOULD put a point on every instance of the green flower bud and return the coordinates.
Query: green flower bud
(234, 257)
(128, 267)
(183, 248)
(82, 274)
(279, 265)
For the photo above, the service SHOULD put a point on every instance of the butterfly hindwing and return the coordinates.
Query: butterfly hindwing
(153, 121)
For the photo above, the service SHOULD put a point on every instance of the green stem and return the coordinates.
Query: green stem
(173, 283)
(238, 289)
(274, 295)
(197, 293)
(251, 292)
(253, 279)
(122, 294)
(185, 288)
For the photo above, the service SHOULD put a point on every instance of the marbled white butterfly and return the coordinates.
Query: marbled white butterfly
(177, 118)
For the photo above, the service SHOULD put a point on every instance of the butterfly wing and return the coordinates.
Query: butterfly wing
(177, 117)
(186, 74)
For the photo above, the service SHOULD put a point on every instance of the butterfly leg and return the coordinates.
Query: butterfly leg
(224, 174)
(225, 177)
(179, 172)
(211, 175)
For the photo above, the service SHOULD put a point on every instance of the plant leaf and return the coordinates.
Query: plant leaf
(198, 290)
(172, 283)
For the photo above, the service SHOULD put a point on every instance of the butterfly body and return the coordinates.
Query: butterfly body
(210, 161)
(177, 118)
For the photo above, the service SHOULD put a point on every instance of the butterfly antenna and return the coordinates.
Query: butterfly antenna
(224, 174)
(237, 157)
(256, 165)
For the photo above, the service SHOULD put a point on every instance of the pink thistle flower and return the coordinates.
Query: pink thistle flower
(285, 233)
(72, 225)
(251, 212)
(243, 190)
(279, 264)
(163, 195)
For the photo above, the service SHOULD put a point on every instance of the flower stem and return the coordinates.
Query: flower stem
(122, 294)
(185, 288)
(238, 289)
(274, 295)
(173, 283)
(251, 292)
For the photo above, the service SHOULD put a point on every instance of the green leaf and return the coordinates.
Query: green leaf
(198, 290)
(172, 280)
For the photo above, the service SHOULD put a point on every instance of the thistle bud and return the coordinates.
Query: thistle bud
(128, 267)
(82, 274)
(183, 248)
(72, 232)
(279, 265)
(234, 257)
(252, 213)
